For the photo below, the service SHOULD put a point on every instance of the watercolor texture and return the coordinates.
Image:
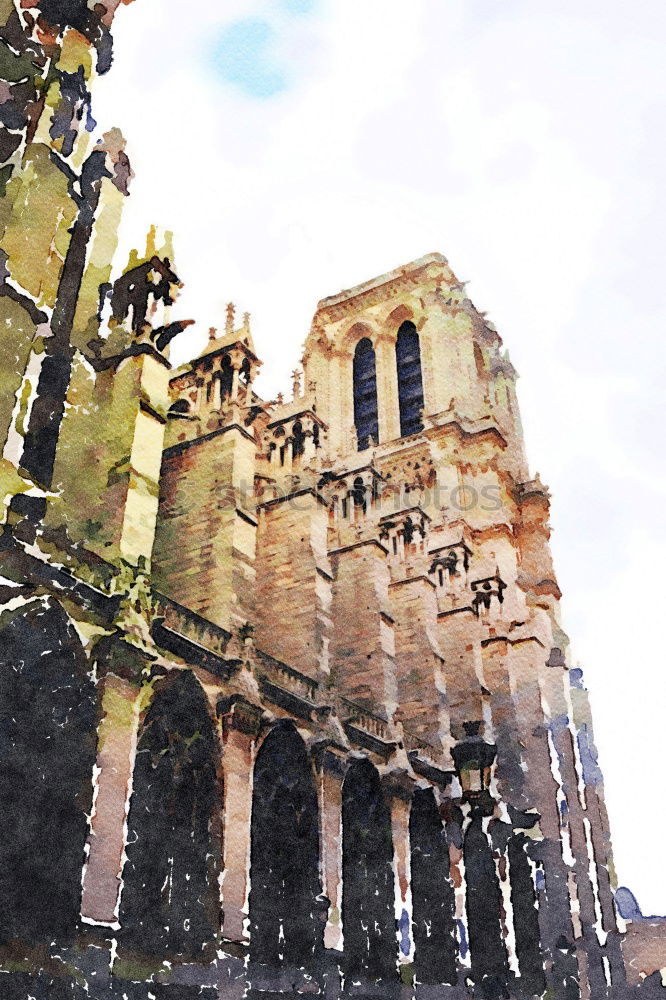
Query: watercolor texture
(287, 704)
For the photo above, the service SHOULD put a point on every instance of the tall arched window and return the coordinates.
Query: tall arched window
(525, 915)
(410, 381)
(286, 906)
(169, 902)
(368, 916)
(365, 394)
(484, 902)
(432, 893)
(47, 741)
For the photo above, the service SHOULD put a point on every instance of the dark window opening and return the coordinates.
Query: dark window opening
(298, 439)
(368, 918)
(366, 420)
(432, 894)
(287, 910)
(226, 377)
(410, 382)
(170, 899)
(358, 494)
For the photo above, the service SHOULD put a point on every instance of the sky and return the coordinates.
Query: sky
(298, 147)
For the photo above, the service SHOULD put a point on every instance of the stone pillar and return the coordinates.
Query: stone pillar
(362, 641)
(447, 358)
(294, 582)
(329, 790)
(387, 388)
(234, 380)
(216, 400)
(554, 682)
(398, 791)
(309, 447)
(525, 778)
(240, 726)
(459, 635)
(341, 402)
(121, 706)
(421, 684)
(599, 844)
(206, 531)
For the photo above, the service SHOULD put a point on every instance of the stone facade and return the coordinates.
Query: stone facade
(297, 666)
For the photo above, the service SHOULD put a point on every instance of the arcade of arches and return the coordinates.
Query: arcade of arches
(174, 852)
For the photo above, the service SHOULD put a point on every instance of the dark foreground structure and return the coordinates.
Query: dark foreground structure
(285, 702)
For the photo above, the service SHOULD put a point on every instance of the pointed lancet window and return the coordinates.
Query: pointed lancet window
(410, 381)
(365, 394)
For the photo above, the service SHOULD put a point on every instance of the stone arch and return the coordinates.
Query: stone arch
(398, 316)
(368, 904)
(433, 904)
(48, 719)
(286, 907)
(366, 413)
(357, 332)
(170, 897)
(410, 379)
(489, 960)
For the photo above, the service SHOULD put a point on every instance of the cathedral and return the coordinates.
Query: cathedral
(286, 704)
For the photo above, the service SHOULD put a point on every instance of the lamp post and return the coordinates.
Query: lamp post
(474, 759)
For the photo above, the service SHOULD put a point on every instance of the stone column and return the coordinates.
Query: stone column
(234, 379)
(331, 770)
(362, 641)
(121, 706)
(240, 726)
(309, 448)
(341, 401)
(421, 684)
(294, 595)
(387, 388)
(398, 789)
(454, 821)
(216, 396)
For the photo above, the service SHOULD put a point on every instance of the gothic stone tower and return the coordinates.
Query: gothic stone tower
(379, 549)
(286, 702)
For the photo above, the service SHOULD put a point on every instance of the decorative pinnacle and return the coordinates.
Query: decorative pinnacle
(231, 311)
(246, 321)
(212, 333)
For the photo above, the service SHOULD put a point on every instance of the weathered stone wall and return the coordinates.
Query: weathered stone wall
(294, 593)
(205, 541)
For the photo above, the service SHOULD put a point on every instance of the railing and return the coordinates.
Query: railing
(414, 742)
(367, 721)
(287, 678)
(192, 626)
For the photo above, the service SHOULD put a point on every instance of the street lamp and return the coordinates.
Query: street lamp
(473, 759)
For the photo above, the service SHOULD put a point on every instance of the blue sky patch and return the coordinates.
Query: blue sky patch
(243, 56)
(298, 6)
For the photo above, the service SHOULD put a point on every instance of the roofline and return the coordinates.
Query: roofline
(382, 279)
